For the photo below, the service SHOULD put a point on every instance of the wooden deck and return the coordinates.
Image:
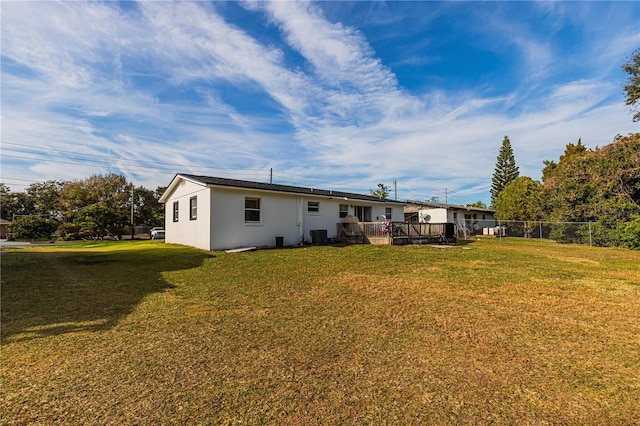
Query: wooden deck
(397, 233)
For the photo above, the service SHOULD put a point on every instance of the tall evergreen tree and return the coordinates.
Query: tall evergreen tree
(506, 170)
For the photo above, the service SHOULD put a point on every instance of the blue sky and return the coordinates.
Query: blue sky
(332, 95)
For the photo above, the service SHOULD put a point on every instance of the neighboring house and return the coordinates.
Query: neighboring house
(3, 228)
(215, 213)
(469, 220)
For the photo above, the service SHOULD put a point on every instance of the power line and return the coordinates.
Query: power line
(154, 164)
(125, 168)
(100, 156)
(108, 161)
(103, 160)
(22, 180)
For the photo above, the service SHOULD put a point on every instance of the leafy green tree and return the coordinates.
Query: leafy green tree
(69, 231)
(64, 201)
(99, 221)
(630, 233)
(148, 210)
(73, 197)
(111, 190)
(478, 204)
(382, 192)
(16, 204)
(520, 200)
(7, 202)
(591, 184)
(158, 217)
(632, 87)
(46, 198)
(600, 186)
(571, 151)
(31, 227)
(569, 185)
(505, 171)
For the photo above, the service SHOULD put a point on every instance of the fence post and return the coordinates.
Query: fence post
(540, 225)
(590, 243)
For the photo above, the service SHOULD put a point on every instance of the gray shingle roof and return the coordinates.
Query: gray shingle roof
(235, 183)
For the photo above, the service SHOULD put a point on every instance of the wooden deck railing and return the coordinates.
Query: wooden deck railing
(397, 232)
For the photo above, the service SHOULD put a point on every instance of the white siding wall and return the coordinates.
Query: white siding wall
(462, 213)
(278, 214)
(329, 215)
(397, 213)
(437, 215)
(326, 219)
(282, 215)
(220, 222)
(185, 231)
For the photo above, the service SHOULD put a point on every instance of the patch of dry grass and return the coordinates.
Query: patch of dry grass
(511, 332)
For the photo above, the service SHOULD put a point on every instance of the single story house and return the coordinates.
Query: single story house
(468, 220)
(214, 213)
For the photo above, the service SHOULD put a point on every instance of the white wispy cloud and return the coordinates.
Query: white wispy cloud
(109, 79)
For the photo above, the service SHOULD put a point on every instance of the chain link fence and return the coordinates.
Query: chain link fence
(592, 233)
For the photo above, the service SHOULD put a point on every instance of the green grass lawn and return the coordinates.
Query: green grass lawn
(489, 332)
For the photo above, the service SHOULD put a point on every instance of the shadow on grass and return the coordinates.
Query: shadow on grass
(53, 292)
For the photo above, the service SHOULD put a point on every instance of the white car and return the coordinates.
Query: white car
(157, 232)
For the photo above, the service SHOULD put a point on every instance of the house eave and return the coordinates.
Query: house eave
(173, 185)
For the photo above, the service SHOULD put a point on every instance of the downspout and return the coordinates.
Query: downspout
(300, 220)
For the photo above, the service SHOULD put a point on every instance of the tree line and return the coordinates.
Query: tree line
(600, 185)
(95, 207)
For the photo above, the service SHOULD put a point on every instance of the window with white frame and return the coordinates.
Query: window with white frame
(344, 210)
(193, 208)
(175, 211)
(388, 211)
(313, 206)
(251, 210)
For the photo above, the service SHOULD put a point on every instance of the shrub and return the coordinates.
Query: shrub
(570, 233)
(630, 233)
(31, 227)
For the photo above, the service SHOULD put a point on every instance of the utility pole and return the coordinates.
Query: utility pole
(271, 176)
(395, 188)
(445, 196)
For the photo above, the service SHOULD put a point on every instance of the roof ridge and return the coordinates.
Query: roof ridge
(239, 183)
